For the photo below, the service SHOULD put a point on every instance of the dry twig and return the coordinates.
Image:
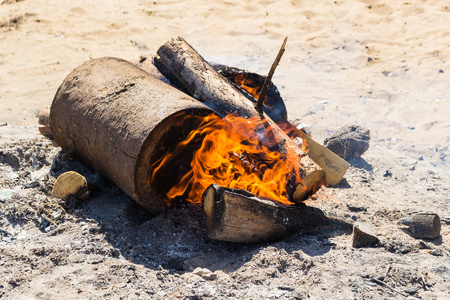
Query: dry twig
(382, 283)
(265, 87)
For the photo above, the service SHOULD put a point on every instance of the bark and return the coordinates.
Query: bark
(119, 119)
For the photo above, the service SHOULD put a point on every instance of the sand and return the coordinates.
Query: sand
(384, 65)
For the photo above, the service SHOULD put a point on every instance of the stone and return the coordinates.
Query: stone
(349, 142)
(425, 225)
(354, 208)
(205, 273)
(5, 194)
(363, 235)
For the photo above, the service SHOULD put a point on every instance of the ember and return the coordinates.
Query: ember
(233, 155)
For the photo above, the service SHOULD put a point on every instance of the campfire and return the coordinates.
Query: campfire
(221, 139)
(232, 154)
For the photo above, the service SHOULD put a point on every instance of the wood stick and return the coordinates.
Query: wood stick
(382, 283)
(239, 216)
(265, 87)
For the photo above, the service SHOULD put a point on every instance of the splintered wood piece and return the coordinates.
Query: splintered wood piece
(239, 216)
(309, 186)
(44, 117)
(44, 122)
(334, 166)
(68, 184)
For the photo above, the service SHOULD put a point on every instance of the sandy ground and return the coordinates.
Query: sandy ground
(382, 65)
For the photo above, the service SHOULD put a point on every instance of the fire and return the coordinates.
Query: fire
(247, 84)
(232, 155)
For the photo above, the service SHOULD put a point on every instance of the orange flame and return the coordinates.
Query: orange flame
(232, 155)
(247, 84)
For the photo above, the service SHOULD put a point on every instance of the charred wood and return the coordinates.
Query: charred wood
(239, 216)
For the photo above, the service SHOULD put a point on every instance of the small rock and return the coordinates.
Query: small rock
(31, 184)
(436, 252)
(205, 273)
(388, 173)
(12, 175)
(286, 288)
(49, 228)
(353, 208)
(5, 194)
(422, 225)
(423, 245)
(42, 174)
(411, 290)
(349, 142)
(363, 235)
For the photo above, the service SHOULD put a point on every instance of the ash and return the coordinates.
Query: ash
(109, 247)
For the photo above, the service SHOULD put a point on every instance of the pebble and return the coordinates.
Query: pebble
(363, 235)
(39, 175)
(422, 225)
(5, 194)
(12, 175)
(205, 273)
(354, 208)
(436, 252)
(49, 228)
(31, 184)
(349, 142)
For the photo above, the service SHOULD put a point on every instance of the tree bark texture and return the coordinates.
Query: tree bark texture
(119, 119)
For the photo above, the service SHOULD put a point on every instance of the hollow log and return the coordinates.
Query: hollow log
(120, 120)
(239, 216)
(178, 61)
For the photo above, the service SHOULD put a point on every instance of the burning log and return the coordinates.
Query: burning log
(179, 62)
(238, 216)
(120, 120)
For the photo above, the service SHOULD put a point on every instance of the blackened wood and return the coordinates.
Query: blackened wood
(239, 216)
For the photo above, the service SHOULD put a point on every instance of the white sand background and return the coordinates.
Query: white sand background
(381, 64)
(384, 65)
